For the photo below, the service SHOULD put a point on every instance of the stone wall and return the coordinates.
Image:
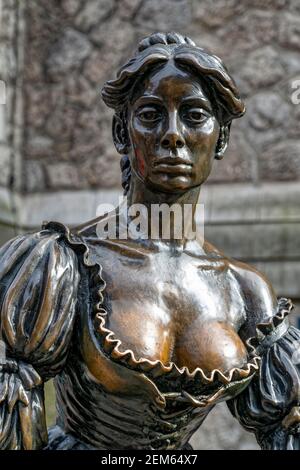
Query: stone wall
(11, 113)
(56, 155)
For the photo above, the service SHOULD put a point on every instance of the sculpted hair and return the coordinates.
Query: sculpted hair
(155, 51)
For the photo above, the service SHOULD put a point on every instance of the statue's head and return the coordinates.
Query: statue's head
(173, 105)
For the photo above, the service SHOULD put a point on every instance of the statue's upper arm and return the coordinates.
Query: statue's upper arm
(38, 290)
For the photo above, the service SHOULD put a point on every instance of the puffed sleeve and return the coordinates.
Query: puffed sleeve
(38, 290)
(270, 405)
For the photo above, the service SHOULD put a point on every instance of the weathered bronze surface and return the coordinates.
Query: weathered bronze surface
(145, 336)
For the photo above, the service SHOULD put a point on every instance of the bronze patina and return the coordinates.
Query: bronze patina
(145, 335)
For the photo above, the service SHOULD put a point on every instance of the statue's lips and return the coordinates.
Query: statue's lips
(172, 166)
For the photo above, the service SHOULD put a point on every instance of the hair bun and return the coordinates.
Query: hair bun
(164, 38)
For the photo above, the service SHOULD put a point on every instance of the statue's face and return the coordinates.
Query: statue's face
(172, 129)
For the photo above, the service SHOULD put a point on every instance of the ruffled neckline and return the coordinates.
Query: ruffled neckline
(112, 345)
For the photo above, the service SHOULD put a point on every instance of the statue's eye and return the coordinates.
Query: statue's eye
(195, 116)
(149, 115)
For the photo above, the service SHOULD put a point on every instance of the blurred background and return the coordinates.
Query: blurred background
(57, 161)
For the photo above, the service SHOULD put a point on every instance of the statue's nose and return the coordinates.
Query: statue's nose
(173, 138)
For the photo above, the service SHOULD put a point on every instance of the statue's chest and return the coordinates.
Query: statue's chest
(174, 309)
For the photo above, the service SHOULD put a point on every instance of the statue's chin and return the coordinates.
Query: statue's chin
(168, 183)
(176, 184)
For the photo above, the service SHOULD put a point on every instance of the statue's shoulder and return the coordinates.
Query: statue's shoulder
(91, 227)
(261, 303)
(39, 258)
(253, 282)
(259, 295)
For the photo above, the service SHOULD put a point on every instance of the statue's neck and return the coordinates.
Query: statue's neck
(174, 226)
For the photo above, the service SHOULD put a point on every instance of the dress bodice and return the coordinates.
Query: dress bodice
(168, 402)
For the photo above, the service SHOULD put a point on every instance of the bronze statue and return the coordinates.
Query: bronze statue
(144, 336)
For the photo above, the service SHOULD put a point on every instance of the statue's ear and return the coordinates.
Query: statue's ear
(120, 135)
(222, 141)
